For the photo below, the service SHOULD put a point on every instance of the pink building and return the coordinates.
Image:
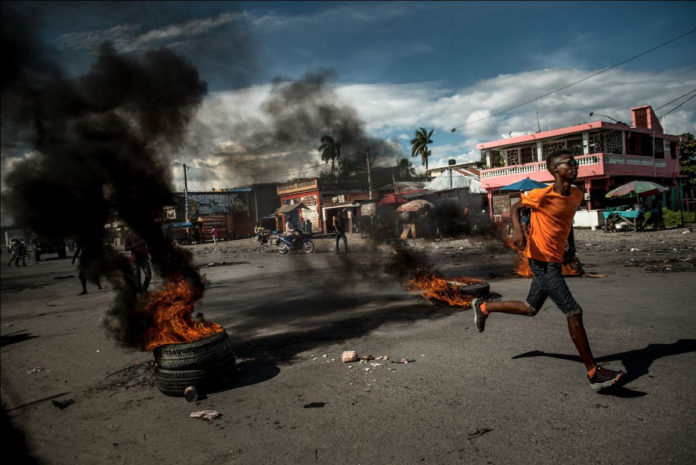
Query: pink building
(610, 154)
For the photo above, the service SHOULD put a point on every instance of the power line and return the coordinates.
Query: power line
(670, 111)
(576, 82)
(671, 101)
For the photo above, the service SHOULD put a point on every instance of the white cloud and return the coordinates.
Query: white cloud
(477, 111)
(128, 37)
(184, 30)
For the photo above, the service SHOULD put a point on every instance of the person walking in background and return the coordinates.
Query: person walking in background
(82, 268)
(551, 222)
(339, 225)
(214, 233)
(19, 252)
(139, 260)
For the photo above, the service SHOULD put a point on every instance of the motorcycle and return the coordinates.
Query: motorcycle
(287, 243)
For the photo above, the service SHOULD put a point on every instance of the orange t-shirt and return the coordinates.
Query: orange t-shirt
(551, 221)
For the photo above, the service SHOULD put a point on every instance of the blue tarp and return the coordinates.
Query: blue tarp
(524, 185)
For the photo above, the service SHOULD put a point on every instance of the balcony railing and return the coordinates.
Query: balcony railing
(605, 159)
(584, 160)
(509, 170)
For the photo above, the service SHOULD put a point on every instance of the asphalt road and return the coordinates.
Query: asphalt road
(515, 394)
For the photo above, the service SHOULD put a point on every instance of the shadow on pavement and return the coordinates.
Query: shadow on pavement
(283, 347)
(15, 337)
(637, 362)
(253, 372)
(15, 445)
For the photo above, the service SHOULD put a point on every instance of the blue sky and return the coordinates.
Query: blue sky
(394, 66)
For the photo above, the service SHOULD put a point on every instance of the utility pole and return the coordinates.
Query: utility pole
(256, 207)
(396, 184)
(186, 203)
(369, 174)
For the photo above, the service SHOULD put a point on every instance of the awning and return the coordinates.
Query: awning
(287, 208)
(177, 225)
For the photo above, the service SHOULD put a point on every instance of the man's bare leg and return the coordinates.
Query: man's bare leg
(513, 307)
(575, 326)
(577, 333)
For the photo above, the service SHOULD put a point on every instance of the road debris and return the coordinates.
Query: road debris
(314, 405)
(33, 371)
(61, 404)
(405, 360)
(479, 432)
(191, 394)
(206, 414)
(214, 264)
(349, 356)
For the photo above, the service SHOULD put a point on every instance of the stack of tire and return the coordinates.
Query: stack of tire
(207, 364)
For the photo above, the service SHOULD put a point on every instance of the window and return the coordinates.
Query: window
(528, 154)
(550, 147)
(596, 142)
(496, 159)
(513, 156)
(632, 143)
(613, 142)
(659, 148)
(574, 146)
(646, 145)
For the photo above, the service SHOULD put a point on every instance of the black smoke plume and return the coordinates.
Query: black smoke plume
(296, 115)
(98, 144)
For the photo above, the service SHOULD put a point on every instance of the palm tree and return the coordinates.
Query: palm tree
(330, 150)
(419, 145)
(406, 169)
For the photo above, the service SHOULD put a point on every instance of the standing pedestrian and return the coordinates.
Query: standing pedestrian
(551, 222)
(214, 233)
(339, 224)
(139, 260)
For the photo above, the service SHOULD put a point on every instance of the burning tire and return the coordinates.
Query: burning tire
(207, 364)
(481, 289)
(193, 355)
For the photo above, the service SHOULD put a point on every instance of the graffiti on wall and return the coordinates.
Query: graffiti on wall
(217, 204)
(312, 212)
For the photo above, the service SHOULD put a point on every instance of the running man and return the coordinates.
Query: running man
(551, 223)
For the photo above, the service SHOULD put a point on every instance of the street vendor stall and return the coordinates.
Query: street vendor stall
(633, 218)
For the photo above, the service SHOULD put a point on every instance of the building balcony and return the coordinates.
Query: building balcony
(592, 166)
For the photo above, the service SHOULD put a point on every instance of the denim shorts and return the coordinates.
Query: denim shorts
(548, 281)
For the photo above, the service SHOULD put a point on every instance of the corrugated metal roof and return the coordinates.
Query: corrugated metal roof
(459, 181)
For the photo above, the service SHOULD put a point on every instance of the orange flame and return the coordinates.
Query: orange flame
(445, 291)
(171, 310)
(522, 265)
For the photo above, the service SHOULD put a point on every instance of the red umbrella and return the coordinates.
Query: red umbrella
(636, 188)
(414, 205)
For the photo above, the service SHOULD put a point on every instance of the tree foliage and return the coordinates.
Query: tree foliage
(406, 168)
(687, 161)
(419, 145)
(330, 150)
